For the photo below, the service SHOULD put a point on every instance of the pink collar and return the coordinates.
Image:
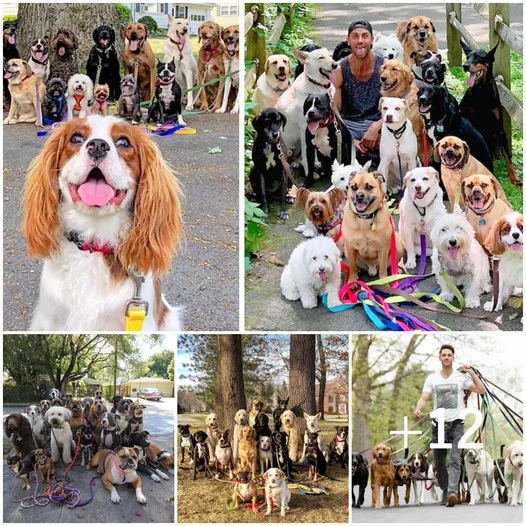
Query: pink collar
(121, 471)
(338, 439)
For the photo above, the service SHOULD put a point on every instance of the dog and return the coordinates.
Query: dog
(39, 58)
(86, 432)
(459, 255)
(313, 427)
(85, 208)
(277, 492)
(313, 267)
(166, 105)
(61, 436)
(366, 226)
(247, 449)
(118, 467)
(457, 164)
(479, 467)
(95, 418)
(279, 443)
(482, 107)
(265, 452)
(261, 426)
(484, 208)
(498, 476)
(241, 421)
(44, 406)
(223, 454)
(103, 63)
(267, 175)
(129, 102)
(230, 37)
(402, 478)
(45, 465)
(177, 46)
(110, 437)
(272, 83)
(80, 96)
(64, 61)
(290, 426)
(200, 456)
(360, 477)
(77, 418)
(141, 441)
(22, 468)
(246, 489)
(157, 455)
(99, 395)
(68, 400)
(136, 412)
(431, 474)
(210, 65)
(212, 430)
(433, 71)
(506, 241)
(87, 402)
(416, 34)
(513, 472)
(18, 429)
(388, 46)
(10, 51)
(278, 411)
(139, 60)
(339, 447)
(101, 94)
(382, 474)
(34, 414)
(419, 208)
(419, 468)
(314, 456)
(419, 57)
(255, 409)
(341, 50)
(314, 80)
(26, 91)
(186, 441)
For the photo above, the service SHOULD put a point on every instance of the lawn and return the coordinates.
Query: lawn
(212, 495)
(157, 43)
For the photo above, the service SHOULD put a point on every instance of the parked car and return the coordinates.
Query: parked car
(150, 393)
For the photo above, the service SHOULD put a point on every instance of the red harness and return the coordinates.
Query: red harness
(78, 99)
(210, 52)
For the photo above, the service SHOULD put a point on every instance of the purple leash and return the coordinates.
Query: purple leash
(409, 284)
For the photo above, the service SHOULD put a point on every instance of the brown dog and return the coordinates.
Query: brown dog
(210, 64)
(457, 164)
(45, 465)
(402, 478)
(416, 34)
(100, 104)
(230, 38)
(139, 60)
(367, 227)
(382, 474)
(157, 453)
(247, 449)
(484, 208)
(257, 407)
(76, 416)
(246, 489)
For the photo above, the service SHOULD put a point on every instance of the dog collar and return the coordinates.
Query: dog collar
(209, 52)
(372, 215)
(338, 439)
(104, 51)
(423, 214)
(324, 228)
(481, 213)
(397, 133)
(78, 98)
(279, 90)
(326, 86)
(88, 245)
(227, 445)
(41, 62)
(26, 77)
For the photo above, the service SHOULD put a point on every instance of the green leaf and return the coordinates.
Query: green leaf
(216, 149)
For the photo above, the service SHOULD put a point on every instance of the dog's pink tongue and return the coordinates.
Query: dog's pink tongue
(453, 252)
(96, 192)
(471, 80)
(323, 275)
(61, 51)
(478, 204)
(104, 41)
(133, 45)
(516, 246)
(11, 39)
(232, 46)
(38, 55)
(313, 125)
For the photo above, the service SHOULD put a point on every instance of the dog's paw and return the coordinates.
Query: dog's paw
(514, 503)
(300, 228)
(115, 496)
(309, 233)
(284, 215)
(446, 296)
(164, 476)
(235, 111)
(157, 479)
(472, 502)
(189, 107)
(488, 306)
(140, 497)
(309, 303)
(220, 110)
(283, 514)
(473, 303)
(410, 263)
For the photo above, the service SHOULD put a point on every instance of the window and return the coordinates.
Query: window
(342, 409)
(197, 18)
(228, 10)
(180, 11)
(331, 399)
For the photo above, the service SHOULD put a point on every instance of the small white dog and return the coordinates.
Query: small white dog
(265, 453)
(460, 256)
(241, 421)
(276, 489)
(419, 208)
(398, 139)
(388, 46)
(513, 472)
(479, 467)
(314, 266)
(80, 96)
(312, 422)
(212, 430)
(34, 415)
(61, 436)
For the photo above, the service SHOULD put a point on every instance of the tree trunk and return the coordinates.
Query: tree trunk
(323, 378)
(302, 372)
(232, 387)
(39, 20)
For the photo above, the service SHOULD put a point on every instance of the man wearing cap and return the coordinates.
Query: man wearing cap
(357, 82)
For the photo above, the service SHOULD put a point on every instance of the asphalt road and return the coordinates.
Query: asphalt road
(159, 421)
(204, 279)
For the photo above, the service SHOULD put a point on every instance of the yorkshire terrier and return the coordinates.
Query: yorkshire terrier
(100, 104)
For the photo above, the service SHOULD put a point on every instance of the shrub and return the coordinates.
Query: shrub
(255, 230)
(124, 13)
(9, 18)
(150, 23)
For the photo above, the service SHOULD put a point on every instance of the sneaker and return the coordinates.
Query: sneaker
(451, 500)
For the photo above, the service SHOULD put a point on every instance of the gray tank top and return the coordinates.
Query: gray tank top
(360, 99)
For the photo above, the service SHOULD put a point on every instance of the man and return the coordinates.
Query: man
(357, 83)
(447, 388)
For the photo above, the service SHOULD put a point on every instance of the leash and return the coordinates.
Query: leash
(38, 499)
(284, 162)
(136, 308)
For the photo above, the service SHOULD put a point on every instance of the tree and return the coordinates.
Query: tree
(39, 19)
(302, 372)
(158, 363)
(171, 368)
(323, 377)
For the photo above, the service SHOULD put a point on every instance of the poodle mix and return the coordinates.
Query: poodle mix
(61, 436)
(80, 95)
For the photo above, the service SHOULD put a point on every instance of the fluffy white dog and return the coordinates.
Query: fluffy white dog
(513, 472)
(388, 46)
(276, 489)
(61, 436)
(80, 96)
(212, 430)
(460, 256)
(314, 266)
(419, 209)
(479, 467)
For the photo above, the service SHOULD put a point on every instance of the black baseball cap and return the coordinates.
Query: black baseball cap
(360, 24)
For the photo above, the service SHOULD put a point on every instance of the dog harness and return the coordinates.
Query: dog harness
(59, 101)
(42, 63)
(78, 99)
(100, 103)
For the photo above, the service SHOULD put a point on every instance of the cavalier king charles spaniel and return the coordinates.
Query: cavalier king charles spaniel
(101, 206)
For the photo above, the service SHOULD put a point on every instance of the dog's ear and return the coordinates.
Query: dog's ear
(289, 66)
(305, 416)
(495, 188)
(433, 27)
(467, 152)
(436, 152)
(413, 55)
(379, 177)
(491, 52)
(301, 56)
(283, 120)
(435, 174)
(199, 34)
(318, 415)
(493, 242)
(407, 176)
(267, 66)
(67, 414)
(146, 30)
(465, 47)
(381, 103)
(352, 176)
(336, 196)
(463, 189)
(438, 58)
(137, 450)
(256, 122)
(301, 197)
(95, 34)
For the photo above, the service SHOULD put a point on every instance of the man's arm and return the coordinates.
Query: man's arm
(421, 403)
(477, 386)
(338, 83)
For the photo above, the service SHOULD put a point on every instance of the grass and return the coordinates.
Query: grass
(205, 500)
(157, 43)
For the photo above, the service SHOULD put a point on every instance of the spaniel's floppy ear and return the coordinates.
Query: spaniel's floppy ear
(41, 225)
(493, 242)
(199, 34)
(156, 231)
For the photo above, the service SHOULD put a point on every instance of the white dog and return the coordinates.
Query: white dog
(513, 472)
(212, 430)
(39, 58)
(314, 266)
(479, 467)
(273, 83)
(312, 422)
(61, 436)
(388, 46)
(265, 453)
(314, 80)
(460, 256)
(241, 421)
(80, 96)
(54, 394)
(276, 489)
(290, 427)
(420, 206)
(177, 46)
(34, 414)
(397, 140)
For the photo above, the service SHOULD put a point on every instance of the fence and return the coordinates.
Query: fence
(497, 16)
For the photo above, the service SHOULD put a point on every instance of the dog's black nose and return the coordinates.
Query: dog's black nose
(321, 269)
(383, 78)
(359, 197)
(97, 148)
(275, 135)
(515, 235)
(465, 67)
(453, 242)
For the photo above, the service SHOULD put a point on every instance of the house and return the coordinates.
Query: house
(336, 400)
(132, 387)
(189, 403)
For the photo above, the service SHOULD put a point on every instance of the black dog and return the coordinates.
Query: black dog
(261, 426)
(103, 59)
(166, 104)
(482, 107)
(360, 476)
(433, 71)
(284, 462)
(54, 104)
(439, 110)
(86, 432)
(299, 68)
(200, 455)
(141, 441)
(339, 446)
(497, 477)
(267, 176)
(276, 414)
(315, 459)
(10, 51)
(115, 401)
(342, 50)
(186, 441)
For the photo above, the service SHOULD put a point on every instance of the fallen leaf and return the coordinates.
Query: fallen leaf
(216, 149)
(276, 261)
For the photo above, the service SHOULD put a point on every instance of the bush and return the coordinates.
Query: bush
(9, 18)
(124, 13)
(255, 230)
(150, 23)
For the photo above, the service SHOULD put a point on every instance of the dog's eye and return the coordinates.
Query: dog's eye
(397, 108)
(395, 69)
(322, 201)
(484, 185)
(122, 142)
(77, 138)
(444, 230)
(354, 187)
(314, 258)
(368, 187)
(426, 178)
(326, 257)
(413, 180)
(342, 178)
